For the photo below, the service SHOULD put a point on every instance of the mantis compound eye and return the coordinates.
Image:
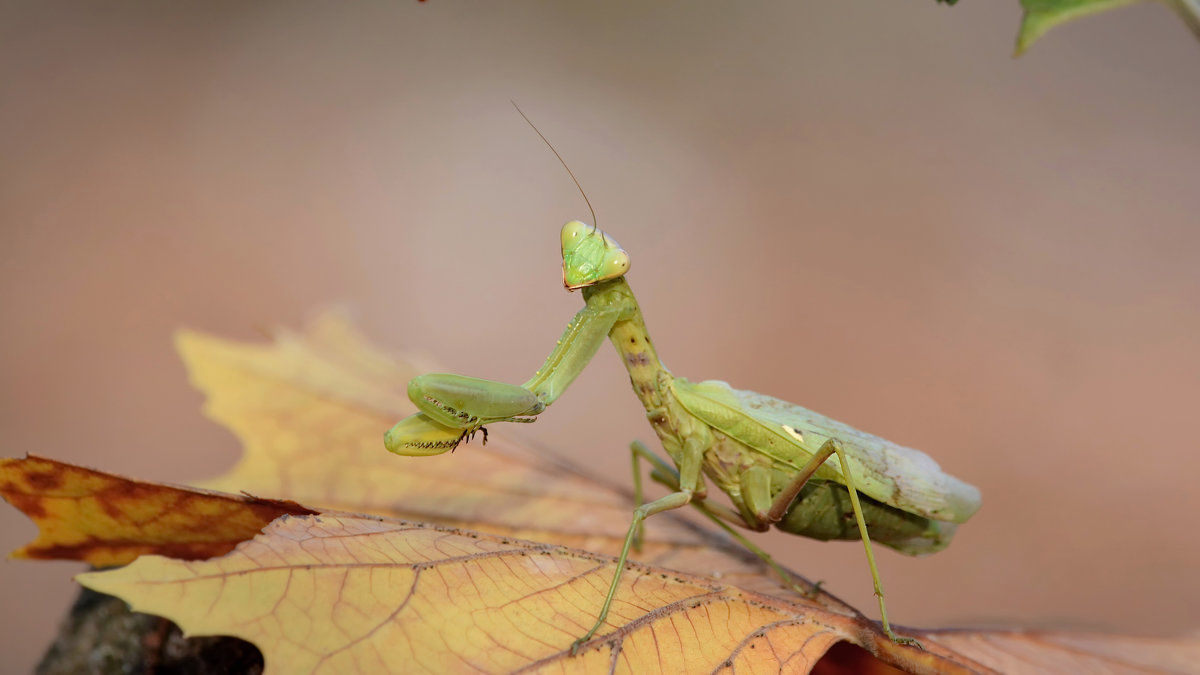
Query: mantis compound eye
(615, 265)
(573, 232)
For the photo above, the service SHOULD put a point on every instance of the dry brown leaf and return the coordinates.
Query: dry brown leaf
(105, 520)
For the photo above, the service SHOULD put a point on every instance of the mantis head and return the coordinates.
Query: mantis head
(590, 256)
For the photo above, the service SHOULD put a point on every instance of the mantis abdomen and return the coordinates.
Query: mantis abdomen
(823, 511)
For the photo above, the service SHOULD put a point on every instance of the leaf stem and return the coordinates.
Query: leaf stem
(1189, 12)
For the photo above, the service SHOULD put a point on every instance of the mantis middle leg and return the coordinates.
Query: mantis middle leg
(719, 514)
(688, 476)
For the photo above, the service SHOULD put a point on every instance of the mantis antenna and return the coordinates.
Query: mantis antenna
(561, 160)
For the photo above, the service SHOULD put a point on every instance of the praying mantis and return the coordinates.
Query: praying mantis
(768, 455)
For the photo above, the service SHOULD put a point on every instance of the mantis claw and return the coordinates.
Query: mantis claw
(468, 436)
(809, 593)
(906, 641)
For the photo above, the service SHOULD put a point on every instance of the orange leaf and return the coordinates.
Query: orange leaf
(104, 519)
(311, 412)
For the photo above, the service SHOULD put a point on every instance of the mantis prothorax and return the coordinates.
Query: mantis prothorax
(768, 455)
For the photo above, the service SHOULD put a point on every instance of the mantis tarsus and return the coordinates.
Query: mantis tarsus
(768, 455)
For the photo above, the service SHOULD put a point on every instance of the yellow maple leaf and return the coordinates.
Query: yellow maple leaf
(311, 409)
(343, 594)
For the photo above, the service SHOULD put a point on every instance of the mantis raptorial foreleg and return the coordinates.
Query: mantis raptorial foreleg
(454, 407)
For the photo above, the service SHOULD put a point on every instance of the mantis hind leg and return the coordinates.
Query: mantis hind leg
(783, 501)
(666, 474)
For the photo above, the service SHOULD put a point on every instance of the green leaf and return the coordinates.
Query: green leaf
(1042, 15)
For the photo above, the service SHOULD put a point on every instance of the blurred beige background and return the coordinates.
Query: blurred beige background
(862, 206)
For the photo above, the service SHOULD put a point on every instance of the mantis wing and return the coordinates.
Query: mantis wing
(902, 477)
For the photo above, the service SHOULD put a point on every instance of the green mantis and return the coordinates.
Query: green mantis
(769, 456)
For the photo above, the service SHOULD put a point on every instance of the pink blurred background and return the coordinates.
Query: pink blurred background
(866, 207)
